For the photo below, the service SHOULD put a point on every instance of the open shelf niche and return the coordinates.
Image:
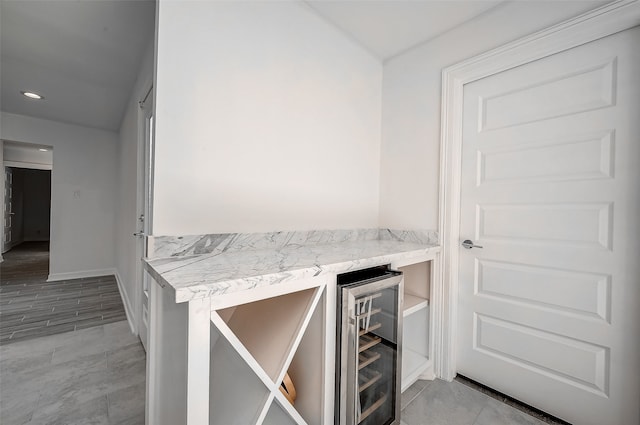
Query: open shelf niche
(415, 350)
(241, 395)
(307, 369)
(265, 335)
(417, 286)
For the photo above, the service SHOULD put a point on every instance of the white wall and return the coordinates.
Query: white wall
(267, 118)
(82, 237)
(412, 98)
(128, 211)
(24, 155)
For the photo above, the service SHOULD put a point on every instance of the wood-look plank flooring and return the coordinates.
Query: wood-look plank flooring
(31, 307)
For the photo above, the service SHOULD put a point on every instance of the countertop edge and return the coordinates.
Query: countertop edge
(200, 291)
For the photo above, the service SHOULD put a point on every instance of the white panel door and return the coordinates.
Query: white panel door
(144, 194)
(549, 307)
(7, 210)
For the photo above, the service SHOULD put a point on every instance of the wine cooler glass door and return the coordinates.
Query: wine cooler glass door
(374, 361)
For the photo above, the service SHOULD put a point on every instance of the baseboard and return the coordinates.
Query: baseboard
(11, 245)
(42, 239)
(127, 304)
(428, 374)
(53, 277)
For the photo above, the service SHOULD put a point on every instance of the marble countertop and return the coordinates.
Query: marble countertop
(214, 273)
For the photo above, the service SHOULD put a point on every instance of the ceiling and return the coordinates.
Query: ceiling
(389, 27)
(83, 56)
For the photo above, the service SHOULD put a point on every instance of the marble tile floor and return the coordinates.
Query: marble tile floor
(454, 403)
(96, 376)
(31, 307)
(93, 376)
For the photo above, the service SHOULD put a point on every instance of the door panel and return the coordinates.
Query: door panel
(145, 183)
(548, 309)
(7, 210)
(557, 223)
(576, 158)
(579, 89)
(578, 363)
(565, 291)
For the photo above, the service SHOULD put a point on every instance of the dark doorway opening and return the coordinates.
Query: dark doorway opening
(29, 206)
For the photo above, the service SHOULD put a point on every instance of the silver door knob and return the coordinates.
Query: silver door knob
(468, 244)
(140, 233)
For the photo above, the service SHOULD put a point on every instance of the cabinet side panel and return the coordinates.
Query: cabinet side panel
(167, 359)
(417, 279)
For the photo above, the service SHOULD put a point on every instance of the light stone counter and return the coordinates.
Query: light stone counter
(209, 265)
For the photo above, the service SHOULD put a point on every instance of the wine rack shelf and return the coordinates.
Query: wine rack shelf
(253, 346)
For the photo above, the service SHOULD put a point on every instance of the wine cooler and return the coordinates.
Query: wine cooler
(369, 347)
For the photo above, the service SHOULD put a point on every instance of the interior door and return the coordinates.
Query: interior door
(7, 210)
(145, 183)
(548, 307)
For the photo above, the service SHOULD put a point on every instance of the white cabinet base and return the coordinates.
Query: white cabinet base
(213, 361)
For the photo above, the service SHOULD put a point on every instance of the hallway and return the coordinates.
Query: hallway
(25, 262)
(31, 307)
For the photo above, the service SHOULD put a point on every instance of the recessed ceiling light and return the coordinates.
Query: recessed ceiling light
(43, 150)
(31, 95)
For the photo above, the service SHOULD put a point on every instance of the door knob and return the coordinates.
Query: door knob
(468, 244)
(140, 233)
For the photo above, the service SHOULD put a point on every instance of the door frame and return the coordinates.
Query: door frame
(603, 21)
(144, 194)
